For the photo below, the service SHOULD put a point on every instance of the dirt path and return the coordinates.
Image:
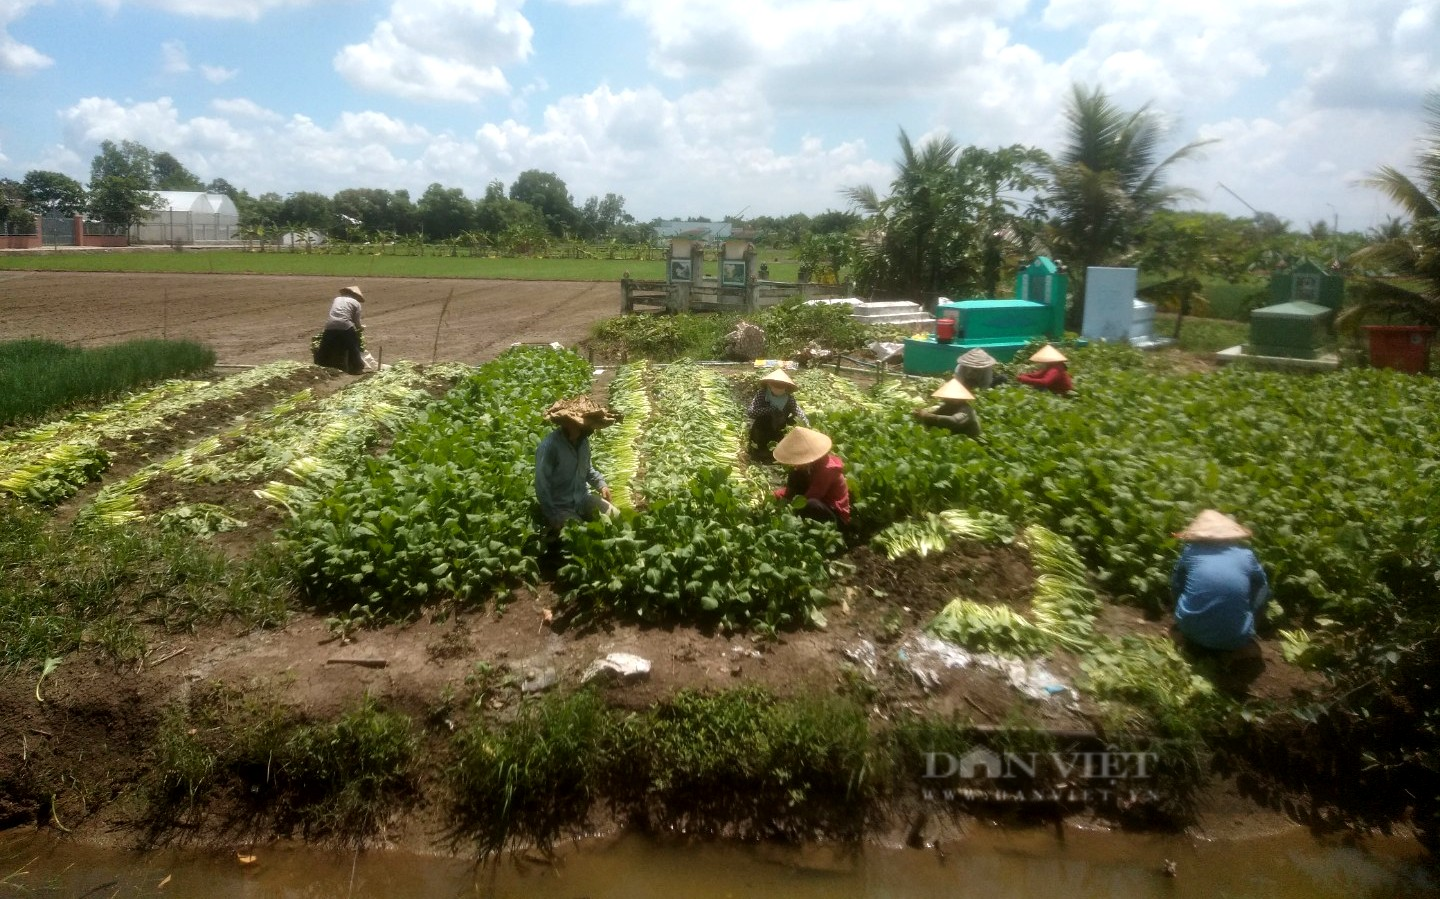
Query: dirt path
(252, 319)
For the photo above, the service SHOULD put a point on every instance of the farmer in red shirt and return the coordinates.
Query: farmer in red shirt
(1052, 374)
(816, 474)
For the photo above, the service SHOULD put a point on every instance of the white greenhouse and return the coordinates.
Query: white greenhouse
(190, 217)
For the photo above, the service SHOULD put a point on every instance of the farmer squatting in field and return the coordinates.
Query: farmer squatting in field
(1052, 375)
(816, 474)
(1218, 584)
(563, 471)
(772, 412)
(954, 412)
(340, 341)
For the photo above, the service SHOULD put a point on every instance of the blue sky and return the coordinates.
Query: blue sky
(710, 107)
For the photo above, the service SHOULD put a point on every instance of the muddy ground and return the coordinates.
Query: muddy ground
(253, 319)
(98, 722)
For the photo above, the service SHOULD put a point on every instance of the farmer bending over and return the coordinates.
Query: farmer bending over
(772, 412)
(563, 473)
(1218, 584)
(1052, 374)
(816, 474)
(954, 413)
(340, 341)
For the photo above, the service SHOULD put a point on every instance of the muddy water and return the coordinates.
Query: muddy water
(984, 863)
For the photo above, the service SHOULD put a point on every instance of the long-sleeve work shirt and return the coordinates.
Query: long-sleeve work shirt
(564, 476)
(1218, 588)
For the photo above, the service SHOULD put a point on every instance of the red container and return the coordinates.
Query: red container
(1401, 347)
(944, 330)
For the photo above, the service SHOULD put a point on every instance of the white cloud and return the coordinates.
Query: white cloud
(218, 74)
(248, 10)
(440, 50)
(174, 60)
(15, 57)
(241, 108)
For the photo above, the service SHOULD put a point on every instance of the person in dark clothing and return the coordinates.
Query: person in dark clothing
(567, 486)
(340, 341)
(772, 412)
(954, 412)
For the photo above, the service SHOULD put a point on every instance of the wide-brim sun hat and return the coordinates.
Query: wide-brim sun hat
(1048, 353)
(581, 411)
(1215, 527)
(353, 291)
(801, 447)
(778, 376)
(953, 390)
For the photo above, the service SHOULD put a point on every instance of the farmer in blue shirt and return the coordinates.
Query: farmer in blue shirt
(1218, 584)
(563, 473)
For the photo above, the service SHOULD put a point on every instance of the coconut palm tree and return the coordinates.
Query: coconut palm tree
(1107, 182)
(1405, 261)
(952, 217)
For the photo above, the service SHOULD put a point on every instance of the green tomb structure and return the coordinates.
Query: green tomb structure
(999, 327)
(1296, 331)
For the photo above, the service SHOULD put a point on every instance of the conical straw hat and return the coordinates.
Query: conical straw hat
(353, 291)
(977, 358)
(582, 411)
(1214, 526)
(953, 390)
(801, 447)
(1048, 353)
(778, 376)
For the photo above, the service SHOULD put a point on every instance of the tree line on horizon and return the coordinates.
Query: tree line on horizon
(956, 220)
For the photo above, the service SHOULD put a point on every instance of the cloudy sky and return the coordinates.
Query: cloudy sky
(708, 107)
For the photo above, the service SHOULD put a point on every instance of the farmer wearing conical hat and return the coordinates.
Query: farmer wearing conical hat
(816, 474)
(1051, 375)
(772, 411)
(1218, 584)
(976, 370)
(339, 345)
(563, 473)
(954, 412)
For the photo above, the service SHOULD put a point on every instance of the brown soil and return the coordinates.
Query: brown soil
(252, 319)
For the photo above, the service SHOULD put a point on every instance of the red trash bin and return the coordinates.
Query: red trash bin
(1400, 347)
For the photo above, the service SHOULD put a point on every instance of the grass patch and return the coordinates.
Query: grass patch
(68, 588)
(41, 376)
(357, 264)
(341, 777)
(1203, 335)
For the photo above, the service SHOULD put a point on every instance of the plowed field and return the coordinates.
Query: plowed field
(251, 319)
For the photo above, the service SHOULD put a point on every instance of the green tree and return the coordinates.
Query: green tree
(547, 193)
(953, 218)
(445, 213)
(1404, 264)
(496, 213)
(12, 201)
(599, 217)
(1006, 184)
(52, 193)
(306, 209)
(376, 210)
(133, 162)
(115, 199)
(1106, 183)
(169, 174)
(910, 249)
